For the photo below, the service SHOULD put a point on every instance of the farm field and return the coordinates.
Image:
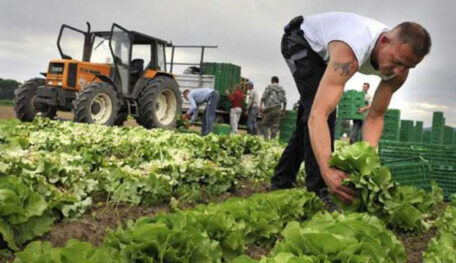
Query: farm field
(90, 193)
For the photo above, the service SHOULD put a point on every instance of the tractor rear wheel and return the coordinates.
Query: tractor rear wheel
(160, 103)
(97, 103)
(25, 102)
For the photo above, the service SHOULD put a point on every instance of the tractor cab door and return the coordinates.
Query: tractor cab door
(74, 43)
(120, 45)
(161, 56)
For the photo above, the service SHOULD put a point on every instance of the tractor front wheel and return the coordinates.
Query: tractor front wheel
(97, 103)
(26, 106)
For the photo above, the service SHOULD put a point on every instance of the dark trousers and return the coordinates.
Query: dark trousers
(307, 69)
(209, 113)
(251, 120)
(357, 127)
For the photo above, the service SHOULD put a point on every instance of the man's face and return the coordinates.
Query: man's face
(396, 58)
(185, 95)
(365, 87)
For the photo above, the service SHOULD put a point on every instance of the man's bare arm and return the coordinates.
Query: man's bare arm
(341, 67)
(373, 125)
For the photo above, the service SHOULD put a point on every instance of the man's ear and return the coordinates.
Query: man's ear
(385, 39)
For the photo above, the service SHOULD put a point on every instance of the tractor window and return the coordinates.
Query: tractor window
(71, 44)
(100, 51)
(161, 63)
(141, 51)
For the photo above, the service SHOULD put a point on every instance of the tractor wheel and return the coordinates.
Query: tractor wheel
(97, 103)
(160, 103)
(25, 102)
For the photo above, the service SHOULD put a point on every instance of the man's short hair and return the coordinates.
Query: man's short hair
(367, 83)
(275, 79)
(186, 91)
(416, 36)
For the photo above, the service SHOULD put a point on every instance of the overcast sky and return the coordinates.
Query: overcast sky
(247, 32)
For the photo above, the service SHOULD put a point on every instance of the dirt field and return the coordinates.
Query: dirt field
(7, 112)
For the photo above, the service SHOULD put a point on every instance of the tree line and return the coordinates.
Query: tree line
(7, 87)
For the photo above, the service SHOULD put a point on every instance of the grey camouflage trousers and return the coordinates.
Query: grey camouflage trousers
(271, 121)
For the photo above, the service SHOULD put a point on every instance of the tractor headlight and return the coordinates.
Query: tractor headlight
(82, 82)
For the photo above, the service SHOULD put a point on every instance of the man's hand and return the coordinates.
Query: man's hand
(227, 92)
(333, 178)
(360, 110)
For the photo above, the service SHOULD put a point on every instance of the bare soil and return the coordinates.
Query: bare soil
(7, 112)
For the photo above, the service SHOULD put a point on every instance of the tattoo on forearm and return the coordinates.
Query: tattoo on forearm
(344, 69)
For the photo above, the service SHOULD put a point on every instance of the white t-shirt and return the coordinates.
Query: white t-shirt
(360, 33)
(368, 98)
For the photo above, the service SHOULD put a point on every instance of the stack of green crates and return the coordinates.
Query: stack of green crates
(427, 136)
(438, 124)
(227, 76)
(442, 160)
(349, 104)
(418, 131)
(407, 128)
(410, 171)
(338, 129)
(391, 125)
(448, 135)
(454, 137)
(221, 129)
(287, 125)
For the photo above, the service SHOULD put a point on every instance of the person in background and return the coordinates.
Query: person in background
(323, 52)
(236, 98)
(197, 97)
(358, 124)
(253, 107)
(275, 103)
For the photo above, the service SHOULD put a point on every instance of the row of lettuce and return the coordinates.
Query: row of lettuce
(50, 170)
(290, 219)
(442, 248)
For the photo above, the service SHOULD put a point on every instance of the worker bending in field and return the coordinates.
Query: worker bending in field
(323, 52)
(197, 97)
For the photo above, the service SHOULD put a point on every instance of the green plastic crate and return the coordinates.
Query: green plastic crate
(448, 135)
(442, 160)
(221, 129)
(287, 125)
(418, 132)
(410, 171)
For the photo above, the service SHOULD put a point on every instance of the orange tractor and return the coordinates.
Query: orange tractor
(104, 85)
